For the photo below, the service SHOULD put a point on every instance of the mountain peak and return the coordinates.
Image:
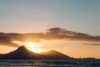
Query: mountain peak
(21, 49)
(24, 53)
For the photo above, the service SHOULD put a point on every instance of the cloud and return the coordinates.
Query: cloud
(92, 44)
(67, 34)
(6, 40)
(52, 33)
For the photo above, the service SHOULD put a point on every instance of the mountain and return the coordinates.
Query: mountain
(23, 53)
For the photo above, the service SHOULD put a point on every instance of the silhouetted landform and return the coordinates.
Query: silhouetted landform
(23, 53)
(52, 33)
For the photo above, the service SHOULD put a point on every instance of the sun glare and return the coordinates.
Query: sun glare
(37, 50)
(32, 46)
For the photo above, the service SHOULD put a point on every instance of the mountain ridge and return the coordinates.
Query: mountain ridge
(24, 53)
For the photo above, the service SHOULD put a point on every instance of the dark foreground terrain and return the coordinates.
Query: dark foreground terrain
(49, 63)
(25, 58)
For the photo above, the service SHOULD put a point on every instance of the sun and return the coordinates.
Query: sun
(37, 50)
(34, 47)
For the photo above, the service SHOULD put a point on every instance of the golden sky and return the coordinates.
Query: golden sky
(71, 48)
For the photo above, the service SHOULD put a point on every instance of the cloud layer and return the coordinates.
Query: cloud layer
(51, 34)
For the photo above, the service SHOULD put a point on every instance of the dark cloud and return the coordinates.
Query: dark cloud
(67, 34)
(6, 40)
(52, 33)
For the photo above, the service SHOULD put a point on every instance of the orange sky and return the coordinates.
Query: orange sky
(71, 48)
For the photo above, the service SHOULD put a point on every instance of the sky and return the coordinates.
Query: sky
(76, 49)
(24, 16)
(27, 16)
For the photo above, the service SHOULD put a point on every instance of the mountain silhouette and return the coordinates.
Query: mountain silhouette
(24, 53)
